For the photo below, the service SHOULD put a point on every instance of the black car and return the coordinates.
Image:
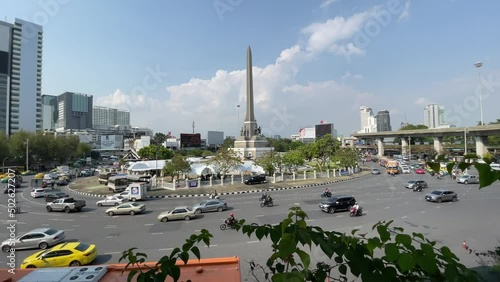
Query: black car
(337, 203)
(49, 197)
(62, 182)
(255, 179)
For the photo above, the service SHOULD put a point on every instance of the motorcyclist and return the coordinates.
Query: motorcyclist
(355, 207)
(268, 199)
(327, 192)
(264, 196)
(231, 219)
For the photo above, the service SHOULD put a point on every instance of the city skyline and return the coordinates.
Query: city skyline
(305, 66)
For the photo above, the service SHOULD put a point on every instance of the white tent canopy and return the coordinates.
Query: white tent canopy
(196, 168)
(147, 165)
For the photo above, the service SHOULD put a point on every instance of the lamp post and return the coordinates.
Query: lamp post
(27, 160)
(409, 149)
(465, 145)
(479, 65)
(238, 127)
(156, 160)
(3, 164)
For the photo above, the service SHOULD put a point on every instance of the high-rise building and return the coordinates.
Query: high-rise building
(368, 121)
(383, 121)
(74, 111)
(21, 47)
(49, 112)
(433, 116)
(110, 116)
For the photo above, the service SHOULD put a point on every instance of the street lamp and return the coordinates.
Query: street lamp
(409, 149)
(27, 160)
(238, 106)
(465, 146)
(479, 65)
(3, 164)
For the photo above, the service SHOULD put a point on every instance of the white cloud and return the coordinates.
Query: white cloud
(281, 105)
(406, 11)
(327, 3)
(349, 75)
(422, 101)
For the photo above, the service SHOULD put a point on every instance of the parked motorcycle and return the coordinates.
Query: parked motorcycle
(356, 212)
(266, 203)
(326, 194)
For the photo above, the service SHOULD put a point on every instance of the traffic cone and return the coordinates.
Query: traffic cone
(464, 245)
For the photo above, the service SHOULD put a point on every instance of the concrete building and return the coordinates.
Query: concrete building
(21, 45)
(110, 116)
(215, 139)
(368, 120)
(383, 118)
(433, 116)
(49, 112)
(74, 111)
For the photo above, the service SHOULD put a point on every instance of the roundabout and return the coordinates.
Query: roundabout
(473, 218)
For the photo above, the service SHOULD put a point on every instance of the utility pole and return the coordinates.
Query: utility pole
(193, 127)
(27, 155)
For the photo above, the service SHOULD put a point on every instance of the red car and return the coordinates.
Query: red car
(420, 171)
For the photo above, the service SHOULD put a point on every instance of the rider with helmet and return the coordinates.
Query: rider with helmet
(356, 207)
(231, 219)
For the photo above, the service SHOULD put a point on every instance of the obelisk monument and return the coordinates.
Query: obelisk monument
(251, 144)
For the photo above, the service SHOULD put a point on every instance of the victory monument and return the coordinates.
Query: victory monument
(251, 144)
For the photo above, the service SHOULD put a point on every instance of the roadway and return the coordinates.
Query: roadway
(473, 218)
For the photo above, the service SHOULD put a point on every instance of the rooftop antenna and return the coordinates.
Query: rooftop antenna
(193, 127)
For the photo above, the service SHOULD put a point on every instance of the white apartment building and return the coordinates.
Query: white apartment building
(110, 116)
(21, 46)
(368, 120)
(433, 116)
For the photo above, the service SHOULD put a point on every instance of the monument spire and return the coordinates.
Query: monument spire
(250, 113)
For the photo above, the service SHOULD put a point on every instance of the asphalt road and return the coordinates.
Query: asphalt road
(473, 218)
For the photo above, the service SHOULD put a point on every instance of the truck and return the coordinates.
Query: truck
(66, 204)
(136, 191)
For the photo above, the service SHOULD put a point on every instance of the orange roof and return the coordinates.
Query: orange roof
(210, 269)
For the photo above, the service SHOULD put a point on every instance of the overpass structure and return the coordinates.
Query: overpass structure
(480, 134)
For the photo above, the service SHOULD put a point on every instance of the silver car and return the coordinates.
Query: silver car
(40, 238)
(177, 213)
(375, 171)
(111, 201)
(127, 208)
(441, 196)
(468, 179)
(210, 205)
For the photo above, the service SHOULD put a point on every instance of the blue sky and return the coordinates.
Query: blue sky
(174, 62)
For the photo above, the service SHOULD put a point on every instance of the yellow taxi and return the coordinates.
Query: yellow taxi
(65, 254)
(39, 175)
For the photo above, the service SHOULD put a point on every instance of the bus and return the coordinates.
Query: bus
(118, 183)
(146, 179)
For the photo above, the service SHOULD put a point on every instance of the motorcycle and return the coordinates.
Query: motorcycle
(417, 189)
(214, 196)
(326, 194)
(17, 210)
(227, 225)
(439, 177)
(266, 203)
(356, 212)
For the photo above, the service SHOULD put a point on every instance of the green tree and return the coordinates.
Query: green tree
(308, 151)
(346, 157)
(296, 145)
(83, 150)
(43, 147)
(17, 145)
(225, 160)
(494, 140)
(228, 143)
(292, 159)
(4, 146)
(323, 149)
(195, 153)
(271, 162)
(158, 139)
(177, 166)
(152, 152)
(390, 255)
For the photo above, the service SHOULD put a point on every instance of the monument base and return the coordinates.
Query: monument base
(251, 148)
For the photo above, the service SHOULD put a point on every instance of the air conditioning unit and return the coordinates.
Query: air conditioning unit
(75, 274)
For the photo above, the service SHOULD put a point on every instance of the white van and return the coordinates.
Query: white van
(136, 191)
(468, 179)
(495, 166)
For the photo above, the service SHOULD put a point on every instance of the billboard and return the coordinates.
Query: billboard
(108, 142)
(145, 141)
(305, 133)
(324, 129)
(215, 138)
(189, 140)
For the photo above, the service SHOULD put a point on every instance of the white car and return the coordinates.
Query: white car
(123, 194)
(111, 201)
(405, 169)
(38, 192)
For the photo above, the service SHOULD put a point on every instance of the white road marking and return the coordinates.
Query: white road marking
(438, 207)
(358, 227)
(199, 230)
(67, 230)
(309, 220)
(84, 216)
(149, 224)
(108, 237)
(157, 233)
(387, 208)
(63, 219)
(404, 216)
(236, 210)
(339, 215)
(44, 213)
(112, 253)
(166, 249)
(211, 246)
(45, 224)
(110, 226)
(422, 212)
(251, 242)
(260, 215)
(76, 225)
